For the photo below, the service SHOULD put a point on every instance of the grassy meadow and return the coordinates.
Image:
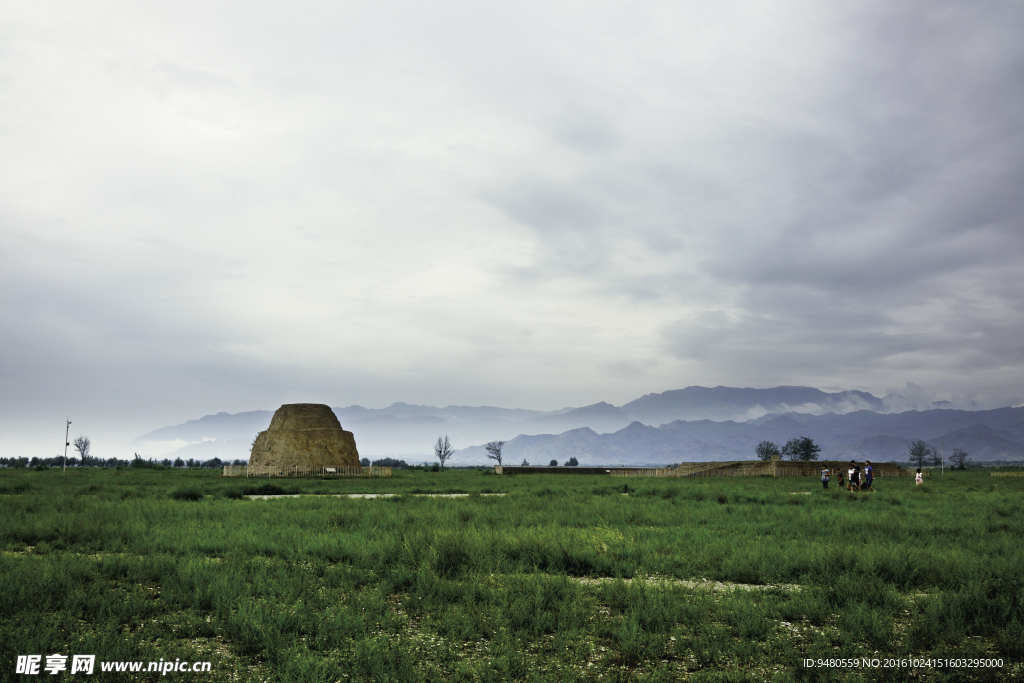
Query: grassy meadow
(562, 578)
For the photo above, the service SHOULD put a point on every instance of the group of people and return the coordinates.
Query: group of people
(853, 477)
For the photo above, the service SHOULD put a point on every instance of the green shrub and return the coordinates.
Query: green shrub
(187, 493)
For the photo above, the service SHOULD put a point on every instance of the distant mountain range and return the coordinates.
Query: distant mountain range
(696, 423)
(729, 403)
(987, 435)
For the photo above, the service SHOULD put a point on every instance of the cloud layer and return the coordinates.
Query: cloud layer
(224, 206)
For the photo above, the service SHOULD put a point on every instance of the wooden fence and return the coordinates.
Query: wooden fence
(296, 471)
(645, 472)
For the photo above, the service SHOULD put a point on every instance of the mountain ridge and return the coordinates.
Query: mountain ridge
(408, 430)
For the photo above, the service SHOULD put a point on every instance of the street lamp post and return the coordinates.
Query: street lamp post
(67, 432)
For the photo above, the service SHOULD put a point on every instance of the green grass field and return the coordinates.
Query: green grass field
(563, 578)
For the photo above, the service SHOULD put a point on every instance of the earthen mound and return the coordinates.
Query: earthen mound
(304, 435)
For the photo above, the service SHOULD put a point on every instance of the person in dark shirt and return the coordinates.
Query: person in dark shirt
(869, 475)
(854, 476)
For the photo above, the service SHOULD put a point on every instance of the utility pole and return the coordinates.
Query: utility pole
(67, 432)
(942, 456)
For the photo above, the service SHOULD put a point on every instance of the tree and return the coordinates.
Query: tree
(809, 450)
(553, 463)
(525, 464)
(767, 450)
(494, 450)
(572, 462)
(919, 452)
(82, 444)
(443, 449)
(960, 458)
(365, 462)
(390, 462)
(802, 448)
(178, 462)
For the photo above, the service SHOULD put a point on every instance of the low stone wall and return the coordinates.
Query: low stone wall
(530, 469)
(735, 468)
(617, 471)
(788, 468)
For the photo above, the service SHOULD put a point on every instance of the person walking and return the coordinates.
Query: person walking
(849, 477)
(839, 473)
(824, 477)
(869, 475)
(855, 477)
(919, 479)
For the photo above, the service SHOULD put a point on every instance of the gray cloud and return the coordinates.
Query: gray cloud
(533, 205)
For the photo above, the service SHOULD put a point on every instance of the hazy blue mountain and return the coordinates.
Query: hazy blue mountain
(490, 412)
(1014, 431)
(222, 426)
(232, 449)
(392, 422)
(917, 424)
(881, 438)
(652, 409)
(882, 448)
(448, 413)
(660, 445)
(607, 434)
(579, 443)
(601, 417)
(730, 403)
(600, 411)
(982, 442)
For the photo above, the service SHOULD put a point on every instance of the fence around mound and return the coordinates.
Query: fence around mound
(734, 468)
(296, 471)
(552, 469)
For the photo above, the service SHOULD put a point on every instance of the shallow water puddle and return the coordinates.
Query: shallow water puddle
(368, 495)
(699, 583)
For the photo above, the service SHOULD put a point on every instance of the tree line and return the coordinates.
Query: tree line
(804, 449)
(137, 462)
(801, 448)
(922, 455)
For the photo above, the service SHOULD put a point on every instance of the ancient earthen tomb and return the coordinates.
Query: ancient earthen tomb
(304, 435)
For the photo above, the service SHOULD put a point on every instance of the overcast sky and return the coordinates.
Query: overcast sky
(211, 206)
